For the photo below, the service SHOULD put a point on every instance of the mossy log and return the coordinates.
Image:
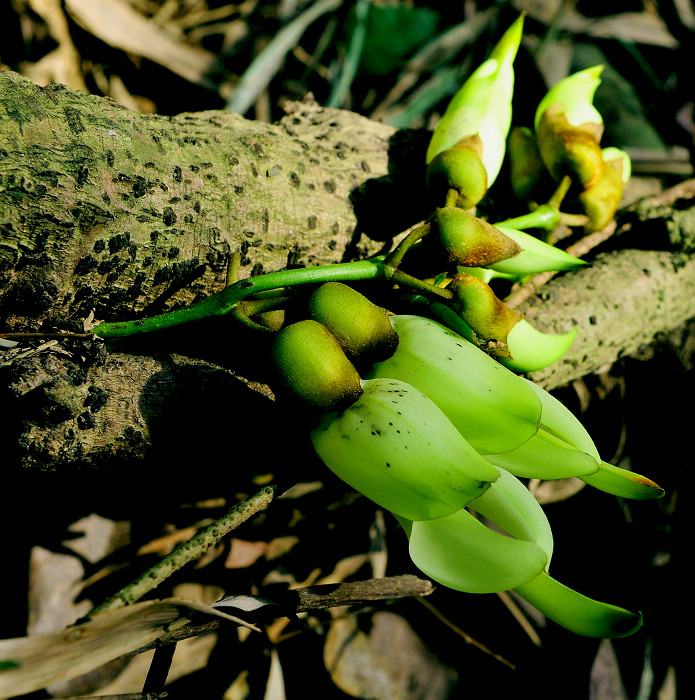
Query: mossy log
(123, 215)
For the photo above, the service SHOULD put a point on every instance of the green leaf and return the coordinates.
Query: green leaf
(393, 33)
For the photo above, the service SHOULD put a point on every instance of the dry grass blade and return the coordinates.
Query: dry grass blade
(267, 64)
(31, 663)
(119, 25)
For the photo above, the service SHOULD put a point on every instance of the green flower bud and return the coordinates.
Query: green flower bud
(601, 201)
(569, 150)
(362, 328)
(313, 366)
(459, 168)
(468, 240)
(483, 106)
(569, 128)
(489, 319)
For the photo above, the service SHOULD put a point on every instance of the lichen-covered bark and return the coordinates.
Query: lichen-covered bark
(106, 210)
(619, 304)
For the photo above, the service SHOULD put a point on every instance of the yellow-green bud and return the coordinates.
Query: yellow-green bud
(570, 150)
(488, 317)
(361, 327)
(459, 168)
(601, 201)
(468, 240)
(314, 367)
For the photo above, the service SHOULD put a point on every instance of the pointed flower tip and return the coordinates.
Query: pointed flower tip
(508, 45)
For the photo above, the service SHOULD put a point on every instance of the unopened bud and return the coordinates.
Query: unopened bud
(468, 240)
(313, 366)
(361, 327)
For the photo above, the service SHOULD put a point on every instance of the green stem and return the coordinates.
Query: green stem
(224, 301)
(544, 217)
(395, 257)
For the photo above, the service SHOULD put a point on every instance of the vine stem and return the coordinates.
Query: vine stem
(223, 302)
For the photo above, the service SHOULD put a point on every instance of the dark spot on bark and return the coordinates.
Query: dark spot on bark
(176, 174)
(105, 198)
(329, 186)
(139, 186)
(85, 421)
(332, 244)
(81, 176)
(169, 216)
(173, 253)
(147, 262)
(133, 436)
(194, 168)
(196, 207)
(74, 120)
(238, 189)
(154, 235)
(99, 246)
(118, 242)
(96, 399)
(106, 266)
(311, 222)
(85, 265)
(294, 179)
(365, 166)
(110, 158)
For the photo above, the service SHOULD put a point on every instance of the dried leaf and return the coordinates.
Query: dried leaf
(121, 26)
(243, 553)
(372, 666)
(31, 663)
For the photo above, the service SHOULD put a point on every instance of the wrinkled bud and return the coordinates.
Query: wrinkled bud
(314, 367)
(362, 328)
(468, 240)
(489, 319)
(601, 201)
(459, 168)
(569, 150)
(569, 128)
(525, 163)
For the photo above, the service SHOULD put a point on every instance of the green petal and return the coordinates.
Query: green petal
(559, 420)
(623, 483)
(536, 256)
(576, 612)
(532, 349)
(576, 94)
(511, 506)
(460, 552)
(492, 409)
(397, 448)
(545, 456)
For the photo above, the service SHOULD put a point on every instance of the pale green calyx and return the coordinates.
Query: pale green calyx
(483, 106)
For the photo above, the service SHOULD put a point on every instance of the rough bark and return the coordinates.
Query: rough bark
(106, 210)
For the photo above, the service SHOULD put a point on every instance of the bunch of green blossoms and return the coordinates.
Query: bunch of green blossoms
(437, 432)
(424, 414)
